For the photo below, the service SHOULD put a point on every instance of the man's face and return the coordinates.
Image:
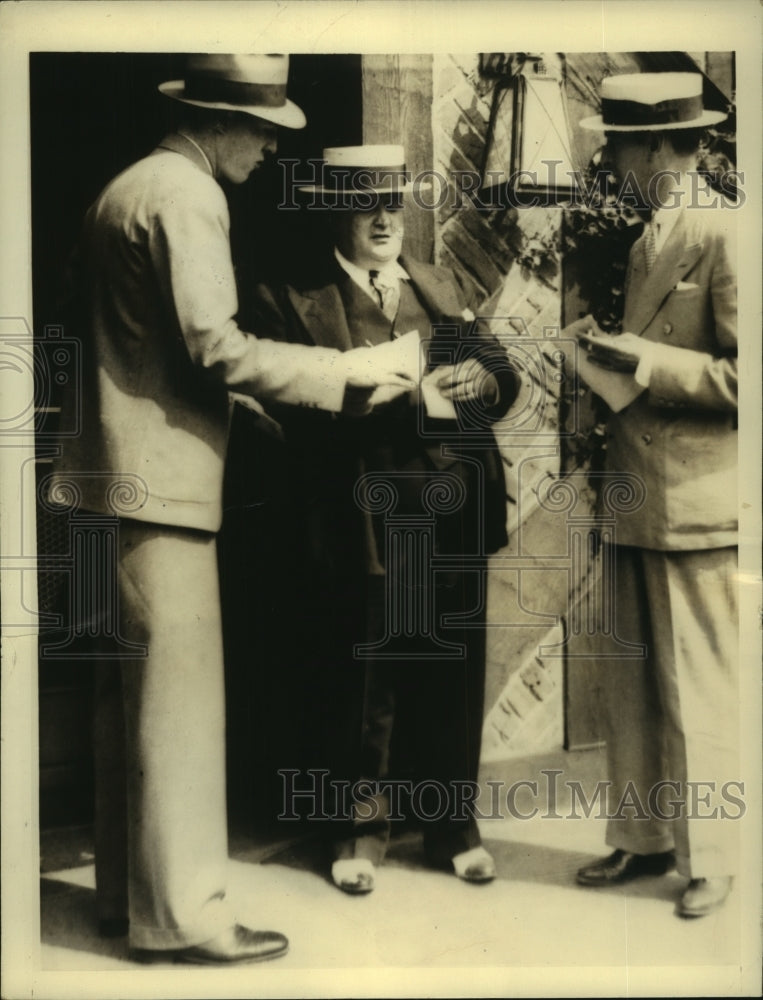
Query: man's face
(629, 156)
(372, 238)
(242, 147)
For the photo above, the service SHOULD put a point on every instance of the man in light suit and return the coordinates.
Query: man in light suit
(418, 714)
(162, 351)
(673, 715)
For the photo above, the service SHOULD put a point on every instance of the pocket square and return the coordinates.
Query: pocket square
(685, 286)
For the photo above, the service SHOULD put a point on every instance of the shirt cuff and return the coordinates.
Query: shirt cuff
(643, 373)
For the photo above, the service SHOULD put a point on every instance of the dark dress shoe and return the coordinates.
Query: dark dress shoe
(704, 895)
(237, 944)
(621, 866)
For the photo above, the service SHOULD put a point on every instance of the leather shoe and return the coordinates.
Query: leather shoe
(622, 866)
(236, 944)
(354, 875)
(704, 895)
(475, 865)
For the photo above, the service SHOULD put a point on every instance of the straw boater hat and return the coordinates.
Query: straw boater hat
(350, 171)
(252, 84)
(651, 102)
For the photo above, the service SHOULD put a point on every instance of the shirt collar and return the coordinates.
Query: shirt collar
(392, 269)
(201, 151)
(664, 219)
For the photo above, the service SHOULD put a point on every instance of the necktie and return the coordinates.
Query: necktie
(650, 248)
(387, 294)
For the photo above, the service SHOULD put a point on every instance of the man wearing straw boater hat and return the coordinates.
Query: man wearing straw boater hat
(162, 352)
(673, 715)
(418, 714)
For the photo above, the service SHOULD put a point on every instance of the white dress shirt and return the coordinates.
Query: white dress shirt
(393, 272)
(663, 221)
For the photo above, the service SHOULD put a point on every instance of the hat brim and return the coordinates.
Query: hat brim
(597, 124)
(371, 189)
(287, 115)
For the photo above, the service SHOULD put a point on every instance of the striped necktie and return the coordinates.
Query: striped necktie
(387, 294)
(650, 245)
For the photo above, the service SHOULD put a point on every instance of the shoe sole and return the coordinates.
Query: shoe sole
(476, 879)
(222, 962)
(150, 957)
(355, 890)
(705, 911)
(693, 914)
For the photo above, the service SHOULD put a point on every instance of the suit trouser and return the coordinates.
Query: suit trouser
(161, 827)
(438, 704)
(674, 715)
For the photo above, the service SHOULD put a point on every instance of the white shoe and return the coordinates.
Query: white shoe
(354, 875)
(475, 865)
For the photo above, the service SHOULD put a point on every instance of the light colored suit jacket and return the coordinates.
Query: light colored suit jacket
(161, 349)
(680, 436)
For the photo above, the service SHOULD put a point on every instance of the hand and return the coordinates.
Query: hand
(616, 353)
(365, 368)
(467, 380)
(587, 326)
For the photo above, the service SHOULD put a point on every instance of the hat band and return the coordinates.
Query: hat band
(358, 179)
(205, 87)
(669, 112)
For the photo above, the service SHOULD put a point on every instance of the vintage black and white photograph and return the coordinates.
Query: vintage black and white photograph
(381, 499)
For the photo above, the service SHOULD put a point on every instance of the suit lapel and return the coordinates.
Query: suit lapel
(438, 294)
(646, 292)
(322, 314)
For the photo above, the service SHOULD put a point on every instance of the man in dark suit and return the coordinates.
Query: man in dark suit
(408, 703)
(672, 716)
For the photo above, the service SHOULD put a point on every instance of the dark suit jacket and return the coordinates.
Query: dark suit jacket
(329, 448)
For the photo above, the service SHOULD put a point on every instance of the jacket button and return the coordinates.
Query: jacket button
(646, 438)
(668, 328)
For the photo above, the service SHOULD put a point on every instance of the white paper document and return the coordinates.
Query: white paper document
(437, 406)
(617, 389)
(405, 356)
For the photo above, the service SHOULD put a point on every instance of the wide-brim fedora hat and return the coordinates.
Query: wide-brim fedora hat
(354, 171)
(251, 84)
(651, 102)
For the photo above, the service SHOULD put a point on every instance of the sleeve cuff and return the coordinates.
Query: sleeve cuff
(643, 373)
